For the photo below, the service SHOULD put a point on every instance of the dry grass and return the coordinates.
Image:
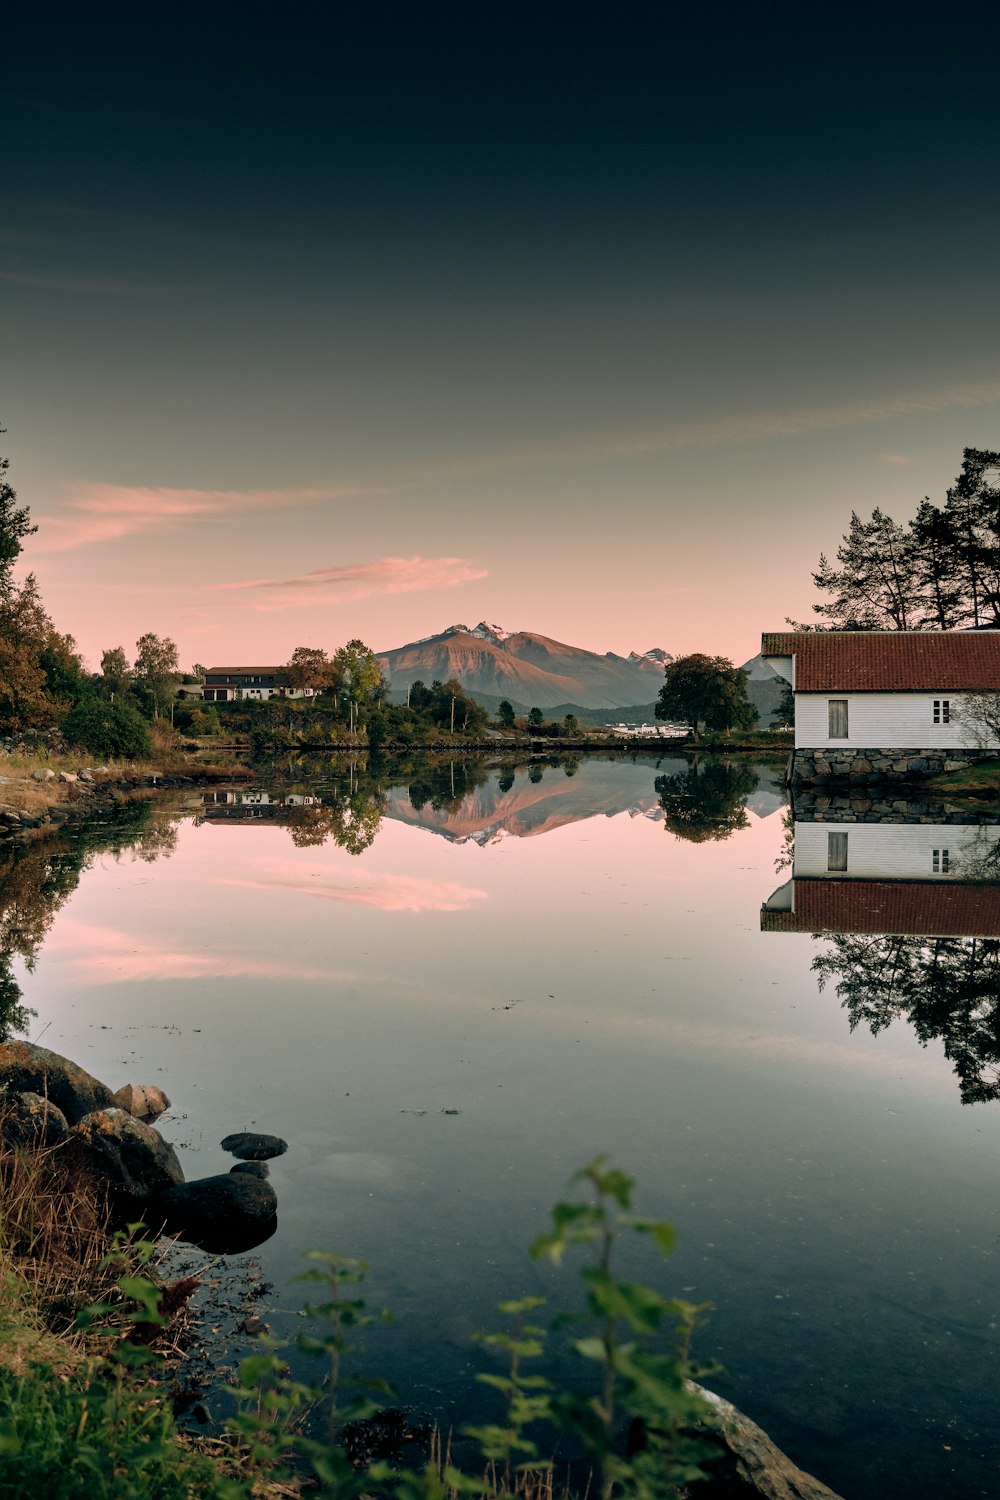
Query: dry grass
(54, 1236)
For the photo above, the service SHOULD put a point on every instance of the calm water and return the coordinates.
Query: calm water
(575, 970)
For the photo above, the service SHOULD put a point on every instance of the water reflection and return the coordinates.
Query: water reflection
(707, 801)
(474, 799)
(908, 909)
(36, 879)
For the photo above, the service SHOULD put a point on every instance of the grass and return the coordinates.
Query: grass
(979, 780)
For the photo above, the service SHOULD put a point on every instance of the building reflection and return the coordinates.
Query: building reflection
(907, 910)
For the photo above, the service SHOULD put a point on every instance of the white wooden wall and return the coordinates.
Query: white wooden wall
(895, 851)
(880, 721)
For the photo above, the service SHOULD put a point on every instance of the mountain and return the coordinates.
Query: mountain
(764, 688)
(526, 668)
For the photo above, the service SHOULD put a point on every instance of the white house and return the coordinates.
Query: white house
(867, 692)
(223, 684)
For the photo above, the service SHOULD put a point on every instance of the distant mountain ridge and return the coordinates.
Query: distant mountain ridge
(526, 667)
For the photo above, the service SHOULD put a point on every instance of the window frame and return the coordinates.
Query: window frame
(841, 715)
(837, 851)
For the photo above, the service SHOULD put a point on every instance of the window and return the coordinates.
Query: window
(940, 861)
(942, 710)
(836, 851)
(838, 718)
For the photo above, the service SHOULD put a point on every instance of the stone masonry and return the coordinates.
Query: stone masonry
(811, 767)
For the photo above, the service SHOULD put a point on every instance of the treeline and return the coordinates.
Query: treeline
(440, 712)
(939, 571)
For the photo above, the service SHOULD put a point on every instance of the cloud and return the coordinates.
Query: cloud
(106, 512)
(894, 458)
(387, 575)
(386, 892)
(106, 955)
(95, 286)
(725, 431)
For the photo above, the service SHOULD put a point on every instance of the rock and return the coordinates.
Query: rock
(752, 1459)
(249, 1145)
(68, 776)
(223, 1215)
(142, 1100)
(251, 1169)
(43, 774)
(131, 1158)
(27, 1067)
(86, 775)
(29, 1120)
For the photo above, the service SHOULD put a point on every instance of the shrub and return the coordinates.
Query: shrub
(107, 729)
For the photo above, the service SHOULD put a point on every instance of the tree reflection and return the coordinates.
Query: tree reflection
(36, 878)
(946, 988)
(707, 801)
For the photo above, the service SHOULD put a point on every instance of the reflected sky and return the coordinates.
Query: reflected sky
(448, 1026)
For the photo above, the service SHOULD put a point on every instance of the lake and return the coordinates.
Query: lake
(450, 987)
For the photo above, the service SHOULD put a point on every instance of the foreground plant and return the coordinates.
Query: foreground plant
(630, 1420)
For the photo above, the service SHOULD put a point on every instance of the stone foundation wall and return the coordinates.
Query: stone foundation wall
(881, 803)
(810, 767)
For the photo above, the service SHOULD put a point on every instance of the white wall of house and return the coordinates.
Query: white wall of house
(897, 851)
(882, 720)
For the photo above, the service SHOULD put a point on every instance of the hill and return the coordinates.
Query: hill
(527, 668)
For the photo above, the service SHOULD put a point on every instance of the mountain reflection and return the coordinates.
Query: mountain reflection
(908, 911)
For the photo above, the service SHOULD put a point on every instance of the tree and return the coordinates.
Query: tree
(705, 690)
(156, 669)
(572, 724)
(359, 676)
(979, 716)
(875, 586)
(116, 673)
(15, 525)
(941, 572)
(505, 714)
(536, 718)
(310, 667)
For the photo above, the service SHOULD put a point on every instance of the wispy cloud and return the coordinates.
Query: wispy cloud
(724, 431)
(91, 286)
(894, 458)
(386, 892)
(105, 512)
(387, 575)
(107, 955)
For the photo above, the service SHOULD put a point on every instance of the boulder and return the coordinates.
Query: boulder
(251, 1169)
(750, 1459)
(29, 1120)
(43, 774)
(250, 1145)
(27, 1067)
(223, 1215)
(132, 1159)
(142, 1100)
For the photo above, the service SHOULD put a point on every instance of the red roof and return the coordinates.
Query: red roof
(917, 908)
(890, 661)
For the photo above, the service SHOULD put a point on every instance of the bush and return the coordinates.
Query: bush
(107, 729)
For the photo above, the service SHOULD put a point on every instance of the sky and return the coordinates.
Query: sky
(337, 320)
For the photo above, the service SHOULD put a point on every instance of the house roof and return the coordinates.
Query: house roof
(242, 671)
(890, 661)
(904, 908)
